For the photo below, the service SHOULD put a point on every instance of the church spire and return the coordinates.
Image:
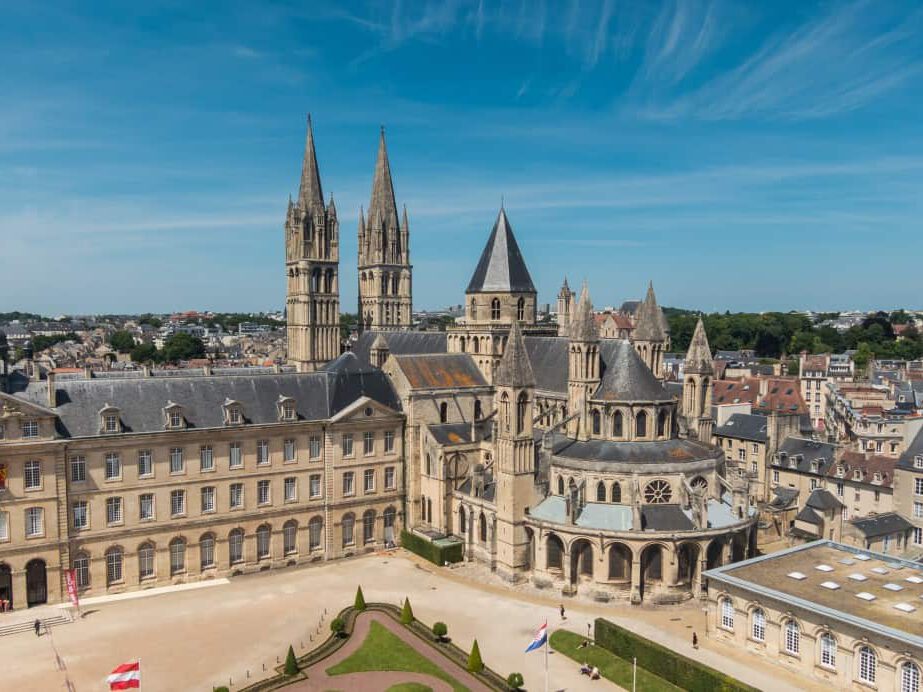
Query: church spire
(650, 323)
(310, 195)
(383, 205)
(698, 357)
(515, 368)
(583, 326)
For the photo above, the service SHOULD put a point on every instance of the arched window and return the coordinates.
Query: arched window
(474, 310)
(727, 613)
(429, 510)
(791, 637)
(910, 677)
(443, 412)
(476, 344)
(315, 533)
(827, 650)
(482, 528)
(597, 423)
(236, 546)
(462, 522)
(290, 537)
(113, 566)
(81, 565)
(522, 404)
(429, 465)
(368, 526)
(867, 663)
(349, 526)
(758, 627)
(505, 412)
(618, 424)
(662, 424)
(394, 284)
(495, 309)
(641, 424)
(521, 309)
(600, 492)
(206, 551)
(177, 556)
(616, 492)
(478, 413)
(263, 540)
(560, 485)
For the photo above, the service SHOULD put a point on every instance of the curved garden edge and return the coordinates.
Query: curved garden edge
(333, 643)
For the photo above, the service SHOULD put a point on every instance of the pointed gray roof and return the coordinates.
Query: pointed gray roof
(583, 322)
(515, 368)
(310, 195)
(698, 357)
(501, 268)
(626, 377)
(649, 325)
(383, 208)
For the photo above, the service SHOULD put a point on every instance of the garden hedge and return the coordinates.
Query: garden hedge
(663, 662)
(438, 555)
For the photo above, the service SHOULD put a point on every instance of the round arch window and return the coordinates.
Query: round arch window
(657, 492)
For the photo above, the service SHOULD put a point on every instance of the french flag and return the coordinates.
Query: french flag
(540, 638)
(126, 676)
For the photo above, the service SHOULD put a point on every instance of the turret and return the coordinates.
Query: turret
(583, 371)
(650, 336)
(698, 371)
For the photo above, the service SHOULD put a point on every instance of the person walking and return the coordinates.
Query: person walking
(563, 617)
(38, 628)
(695, 641)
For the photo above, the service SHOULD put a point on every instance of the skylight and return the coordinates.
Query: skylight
(865, 596)
(904, 607)
(797, 575)
(894, 587)
(879, 570)
(823, 568)
(847, 561)
(832, 585)
(857, 577)
(863, 557)
(914, 580)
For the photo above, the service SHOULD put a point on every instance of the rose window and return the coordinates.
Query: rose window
(657, 492)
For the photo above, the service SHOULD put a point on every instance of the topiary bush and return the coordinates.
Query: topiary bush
(475, 664)
(440, 630)
(407, 612)
(360, 600)
(515, 681)
(223, 688)
(338, 626)
(291, 664)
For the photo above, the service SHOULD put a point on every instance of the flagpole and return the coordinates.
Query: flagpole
(546, 660)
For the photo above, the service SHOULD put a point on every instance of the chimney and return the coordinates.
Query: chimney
(52, 392)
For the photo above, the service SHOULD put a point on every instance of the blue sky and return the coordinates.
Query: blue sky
(743, 156)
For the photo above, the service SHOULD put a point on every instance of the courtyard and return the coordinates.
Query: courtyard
(226, 634)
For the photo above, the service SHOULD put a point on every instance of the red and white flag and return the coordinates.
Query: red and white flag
(126, 676)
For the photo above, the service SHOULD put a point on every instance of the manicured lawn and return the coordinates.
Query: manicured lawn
(382, 650)
(611, 667)
(409, 687)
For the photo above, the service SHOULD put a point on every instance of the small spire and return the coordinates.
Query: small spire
(310, 195)
(382, 207)
(331, 207)
(698, 357)
(583, 321)
(515, 368)
(649, 325)
(405, 224)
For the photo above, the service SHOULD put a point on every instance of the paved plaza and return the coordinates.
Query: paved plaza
(195, 638)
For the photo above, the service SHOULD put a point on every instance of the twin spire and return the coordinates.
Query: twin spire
(383, 208)
(698, 357)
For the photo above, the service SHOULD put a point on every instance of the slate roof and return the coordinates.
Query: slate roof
(783, 497)
(401, 343)
(141, 400)
(665, 518)
(881, 525)
(809, 450)
(913, 450)
(501, 268)
(452, 433)
(441, 371)
(514, 369)
(743, 426)
(649, 452)
(808, 515)
(625, 377)
(869, 464)
(823, 500)
(490, 489)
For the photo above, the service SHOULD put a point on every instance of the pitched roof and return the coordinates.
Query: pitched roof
(501, 268)
(383, 207)
(804, 452)
(698, 357)
(401, 343)
(869, 465)
(744, 426)
(310, 195)
(808, 515)
(440, 371)
(881, 524)
(649, 321)
(514, 369)
(823, 500)
(626, 377)
(914, 450)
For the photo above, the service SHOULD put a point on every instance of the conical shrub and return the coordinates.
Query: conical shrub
(407, 612)
(360, 600)
(475, 664)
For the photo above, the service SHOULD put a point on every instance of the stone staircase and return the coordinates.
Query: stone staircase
(15, 623)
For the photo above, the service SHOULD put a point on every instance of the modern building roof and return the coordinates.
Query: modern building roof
(794, 577)
(881, 525)
(141, 400)
(501, 268)
(440, 371)
(744, 426)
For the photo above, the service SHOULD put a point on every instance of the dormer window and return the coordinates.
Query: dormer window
(109, 422)
(840, 471)
(173, 415)
(877, 477)
(813, 467)
(793, 462)
(287, 408)
(918, 461)
(857, 475)
(233, 412)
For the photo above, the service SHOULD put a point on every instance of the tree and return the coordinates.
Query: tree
(182, 347)
(407, 612)
(475, 664)
(144, 353)
(122, 341)
(360, 600)
(899, 317)
(291, 664)
(440, 630)
(338, 626)
(862, 358)
(515, 681)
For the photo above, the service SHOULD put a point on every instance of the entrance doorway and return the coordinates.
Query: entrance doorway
(6, 583)
(36, 583)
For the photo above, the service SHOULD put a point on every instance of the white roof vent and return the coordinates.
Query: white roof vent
(865, 596)
(823, 568)
(855, 576)
(832, 585)
(904, 607)
(914, 580)
(797, 575)
(894, 587)
(879, 570)
(863, 557)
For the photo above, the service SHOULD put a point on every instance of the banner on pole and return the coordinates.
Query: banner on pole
(70, 579)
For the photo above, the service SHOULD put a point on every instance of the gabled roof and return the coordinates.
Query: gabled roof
(501, 268)
(808, 515)
(823, 500)
(881, 525)
(440, 371)
(744, 426)
(804, 452)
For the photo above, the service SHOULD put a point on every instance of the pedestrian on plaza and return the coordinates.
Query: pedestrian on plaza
(38, 627)
(563, 617)
(695, 641)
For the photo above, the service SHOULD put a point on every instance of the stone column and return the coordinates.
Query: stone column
(636, 579)
(19, 588)
(671, 571)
